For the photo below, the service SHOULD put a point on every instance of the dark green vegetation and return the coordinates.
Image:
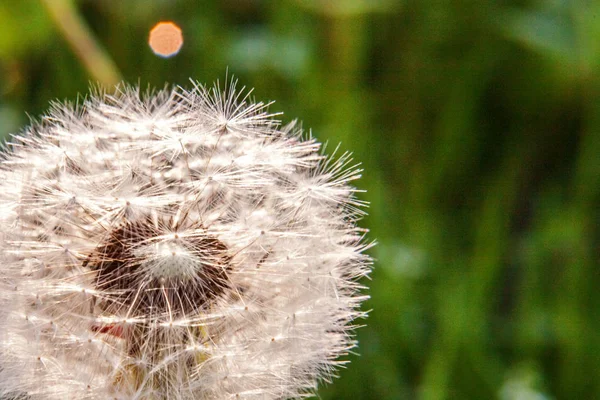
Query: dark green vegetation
(477, 123)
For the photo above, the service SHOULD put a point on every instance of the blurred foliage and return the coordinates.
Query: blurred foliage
(478, 125)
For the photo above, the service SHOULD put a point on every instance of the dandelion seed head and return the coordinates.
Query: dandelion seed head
(177, 244)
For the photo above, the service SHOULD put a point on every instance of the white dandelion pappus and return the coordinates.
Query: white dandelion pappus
(179, 244)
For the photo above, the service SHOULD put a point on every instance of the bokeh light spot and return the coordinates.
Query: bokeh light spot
(165, 39)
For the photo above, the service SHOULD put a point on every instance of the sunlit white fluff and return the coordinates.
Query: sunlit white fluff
(179, 244)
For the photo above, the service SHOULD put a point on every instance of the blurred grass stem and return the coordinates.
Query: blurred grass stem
(97, 62)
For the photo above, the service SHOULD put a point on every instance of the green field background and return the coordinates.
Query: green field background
(477, 124)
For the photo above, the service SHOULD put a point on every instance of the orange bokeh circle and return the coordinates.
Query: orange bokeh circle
(165, 39)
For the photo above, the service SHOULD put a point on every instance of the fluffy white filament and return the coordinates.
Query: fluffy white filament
(177, 245)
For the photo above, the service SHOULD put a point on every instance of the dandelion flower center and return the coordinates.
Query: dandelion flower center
(168, 260)
(157, 275)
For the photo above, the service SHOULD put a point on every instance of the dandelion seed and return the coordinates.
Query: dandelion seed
(179, 245)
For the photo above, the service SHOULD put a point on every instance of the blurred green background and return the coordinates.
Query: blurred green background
(478, 126)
